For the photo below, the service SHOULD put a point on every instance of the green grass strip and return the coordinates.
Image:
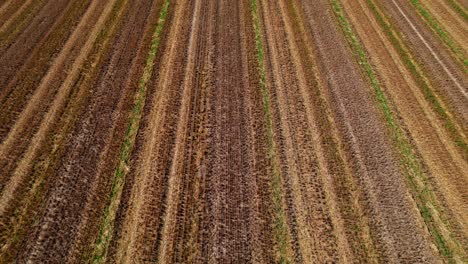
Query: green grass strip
(460, 10)
(418, 76)
(280, 228)
(413, 169)
(440, 32)
(107, 224)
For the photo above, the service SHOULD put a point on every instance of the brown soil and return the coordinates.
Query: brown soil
(10, 11)
(87, 150)
(57, 83)
(399, 234)
(423, 126)
(15, 54)
(19, 21)
(27, 60)
(228, 165)
(455, 25)
(447, 77)
(46, 150)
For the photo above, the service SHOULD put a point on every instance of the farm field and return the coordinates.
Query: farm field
(217, 131)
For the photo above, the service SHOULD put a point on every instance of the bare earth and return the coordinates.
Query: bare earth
(251, 131)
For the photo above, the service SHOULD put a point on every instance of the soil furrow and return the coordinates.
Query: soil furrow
(4, 4)
(418, 118)
(177, 176)
(94, 18)
(361, 127)
(447, 79)
(11, 12)
(135, 71)
(335, 186)
(15, 55)
(455, 26)
(17, 221)
(154, 147)
(343, 198)
(459, 9)
(89, 153)
(252, 131)
(258, 184)
(446, 39)
(106, 227)
(229, 195)
(307, 185)
(417, 178)
(19, 90)
(19, 23)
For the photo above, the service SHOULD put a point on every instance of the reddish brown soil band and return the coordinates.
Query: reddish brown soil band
(53, 81)
(22, 68)
(29, 198)
(86, 164)
(201, 186)
(39, 29)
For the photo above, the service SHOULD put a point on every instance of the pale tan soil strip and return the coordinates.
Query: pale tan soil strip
(63, 92)
(176, 173)
(100, 251)
(417, 71)
(190, 250)
(14, 49)
(343, 245)
(428, 113)
(434, 54)
(456, 129)
(421, 127)
(8, 22)
(126, 251)
(369, 185)
(455, 25)
(459, 9)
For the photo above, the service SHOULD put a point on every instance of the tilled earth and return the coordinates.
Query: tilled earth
(217, 131)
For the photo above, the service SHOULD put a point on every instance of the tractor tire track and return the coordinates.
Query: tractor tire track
(369, 150)
(17, 220)
(418, 118)
(89, 152)
(315, 229)
(14, 26)
(450, 21)
(15, 93)
(177, 176)
(89, 25)
(435, 148)
(448, 79)
(9, 14)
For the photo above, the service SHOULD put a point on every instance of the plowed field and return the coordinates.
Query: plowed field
(217, 131)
